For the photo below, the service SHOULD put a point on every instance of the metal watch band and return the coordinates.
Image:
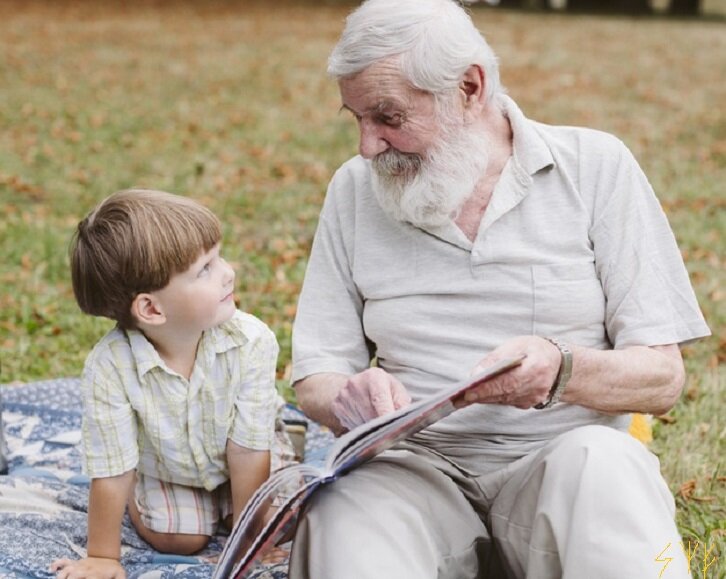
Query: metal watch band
(563, 376)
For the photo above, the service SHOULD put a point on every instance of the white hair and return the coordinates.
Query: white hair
(435, 42)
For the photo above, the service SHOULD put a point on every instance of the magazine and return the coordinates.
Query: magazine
(250, 538)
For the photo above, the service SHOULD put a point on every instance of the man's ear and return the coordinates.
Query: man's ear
(472, 87)
(147, 310)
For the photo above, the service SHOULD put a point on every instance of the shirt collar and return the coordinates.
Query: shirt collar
(214, 341)
(143, 353)
(531, 152)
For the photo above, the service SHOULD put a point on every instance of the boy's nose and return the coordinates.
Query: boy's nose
(229, 274)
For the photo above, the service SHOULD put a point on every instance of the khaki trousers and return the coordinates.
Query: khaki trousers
(590, 504)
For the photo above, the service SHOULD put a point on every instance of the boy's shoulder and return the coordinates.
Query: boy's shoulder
(242, 329)
(112, 351)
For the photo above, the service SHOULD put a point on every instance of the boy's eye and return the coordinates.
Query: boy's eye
(205, 268)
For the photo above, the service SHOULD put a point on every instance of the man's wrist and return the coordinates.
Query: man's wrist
(563, 375)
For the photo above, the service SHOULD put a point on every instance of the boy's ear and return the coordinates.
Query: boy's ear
(147, 310)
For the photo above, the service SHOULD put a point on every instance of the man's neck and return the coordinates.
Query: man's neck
(500, 134)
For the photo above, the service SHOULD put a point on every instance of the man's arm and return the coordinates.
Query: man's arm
(106, 506)
(315, 395)
(636, 379)
(342, 402)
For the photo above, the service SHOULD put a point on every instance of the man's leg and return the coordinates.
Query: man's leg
(399, 516)
(591, 503)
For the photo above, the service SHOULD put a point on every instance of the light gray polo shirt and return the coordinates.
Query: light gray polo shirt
(573, 244)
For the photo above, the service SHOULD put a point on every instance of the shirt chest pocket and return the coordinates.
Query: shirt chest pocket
(568, 302)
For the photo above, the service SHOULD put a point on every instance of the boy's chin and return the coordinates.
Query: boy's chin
(229, 311)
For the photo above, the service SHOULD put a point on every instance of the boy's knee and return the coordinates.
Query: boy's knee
(179, 544)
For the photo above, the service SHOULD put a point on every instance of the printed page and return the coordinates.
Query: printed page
(375, 436)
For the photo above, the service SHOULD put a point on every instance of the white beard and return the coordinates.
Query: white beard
(429, 190)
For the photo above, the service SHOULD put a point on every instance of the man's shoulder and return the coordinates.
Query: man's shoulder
(579, 140)
(351, 176)
(354, 168)
(350, 193)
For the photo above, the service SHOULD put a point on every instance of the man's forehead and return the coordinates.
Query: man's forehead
(378, 106)
(378, 90)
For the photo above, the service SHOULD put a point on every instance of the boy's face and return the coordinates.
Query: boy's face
(202, 296)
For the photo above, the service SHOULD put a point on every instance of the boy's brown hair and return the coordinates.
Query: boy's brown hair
(134, 242)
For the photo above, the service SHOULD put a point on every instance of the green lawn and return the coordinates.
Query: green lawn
(230, 103)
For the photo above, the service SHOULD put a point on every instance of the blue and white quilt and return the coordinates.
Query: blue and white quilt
(44, 498)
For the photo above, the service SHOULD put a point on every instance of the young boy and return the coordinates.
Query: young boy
(179, 399)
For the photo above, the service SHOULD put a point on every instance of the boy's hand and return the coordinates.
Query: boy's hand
(90, 568)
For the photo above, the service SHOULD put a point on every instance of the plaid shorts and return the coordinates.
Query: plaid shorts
(167, 507)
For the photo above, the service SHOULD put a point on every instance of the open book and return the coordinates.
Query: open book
(292, 486)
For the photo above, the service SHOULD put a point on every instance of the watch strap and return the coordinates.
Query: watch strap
(563, 375)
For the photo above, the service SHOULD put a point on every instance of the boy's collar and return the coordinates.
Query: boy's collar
(218, 340)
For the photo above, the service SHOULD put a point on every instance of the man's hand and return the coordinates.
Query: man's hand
(367, 395)
(524, 386)
(91, 568)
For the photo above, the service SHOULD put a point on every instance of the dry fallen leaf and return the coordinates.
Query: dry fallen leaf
(687, 489)
(666, 418)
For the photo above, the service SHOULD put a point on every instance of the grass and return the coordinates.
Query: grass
(230, 103)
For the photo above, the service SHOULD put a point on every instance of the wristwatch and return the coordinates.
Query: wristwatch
(563, 376)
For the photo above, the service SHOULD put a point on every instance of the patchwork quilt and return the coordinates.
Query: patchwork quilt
(44, 498)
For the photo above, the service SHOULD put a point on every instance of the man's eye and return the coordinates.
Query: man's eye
(394, 120)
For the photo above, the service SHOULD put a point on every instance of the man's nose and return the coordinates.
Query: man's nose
(371, 141)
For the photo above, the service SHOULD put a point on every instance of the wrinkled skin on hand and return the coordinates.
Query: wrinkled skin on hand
(371, 393)
(523, 386)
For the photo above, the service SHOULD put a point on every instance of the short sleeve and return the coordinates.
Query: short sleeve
(328, 333)
(257, 402)
(109, 424)
(649, 296)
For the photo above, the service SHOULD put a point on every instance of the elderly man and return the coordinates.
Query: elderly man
(463, 233)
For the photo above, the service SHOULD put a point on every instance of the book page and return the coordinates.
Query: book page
(248, 538)
(375, 436)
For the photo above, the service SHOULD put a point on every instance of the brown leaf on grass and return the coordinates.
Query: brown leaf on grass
(290, 310)
(721, 352)
(703, 499)
(692, 392)
(687, 489)
(25, 262)
(666, 418)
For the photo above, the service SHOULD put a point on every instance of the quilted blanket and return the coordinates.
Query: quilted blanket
(44, 498)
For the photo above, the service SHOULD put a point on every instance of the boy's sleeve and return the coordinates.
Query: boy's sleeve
(257, 400)
(109, 424)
